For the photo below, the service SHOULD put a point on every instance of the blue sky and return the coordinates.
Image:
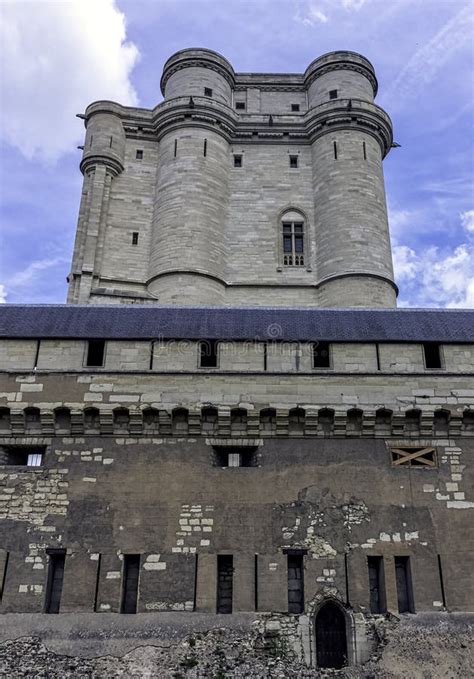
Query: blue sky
(58, 56)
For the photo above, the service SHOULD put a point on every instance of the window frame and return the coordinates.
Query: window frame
(238, 160)
(200, 344)
(208, 92)
(333, 94)
(294, 161)
(293, 257)
(295, 108)
(406, 458)
(86, 354)
(138, 154)
(240, 106)
(321, 367)
(440, 355)
(295, 214)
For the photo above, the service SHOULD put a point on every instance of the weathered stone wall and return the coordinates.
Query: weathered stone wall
(183, 355)
(166, 499)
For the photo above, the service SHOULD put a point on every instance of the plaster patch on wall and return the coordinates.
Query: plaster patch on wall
(164, 606)
(195, 528)
(30, 589)
(153, 563)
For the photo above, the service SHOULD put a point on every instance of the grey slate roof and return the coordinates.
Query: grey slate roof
(245, 323)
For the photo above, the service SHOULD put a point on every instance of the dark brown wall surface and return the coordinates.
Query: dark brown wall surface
(341, 500)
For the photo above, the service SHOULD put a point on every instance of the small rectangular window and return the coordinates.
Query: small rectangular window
(139, 154)
(295, 108)
(208, 352)
(135, 238)
(207, 92)
(321, 355)
(225, 581)
(432, 354)
(404, 584)
(293, 161)
(376, 584)
(130, 577)
(413, 456)
(237, 160)
(240, 105)
(55, 580)
(295, 583)
(24, 456)
(332, 94)
(334, 144)
(175, 148)
(204, 150)
(364, 150)
(241, 456)
(95, 353)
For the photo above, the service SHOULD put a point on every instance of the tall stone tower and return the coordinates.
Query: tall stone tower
(238, 189)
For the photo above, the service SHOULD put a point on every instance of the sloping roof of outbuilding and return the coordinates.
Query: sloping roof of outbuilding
(231, 323)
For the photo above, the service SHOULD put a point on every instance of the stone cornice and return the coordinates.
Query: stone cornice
(90, 161)
(222, 119)
(197, 58)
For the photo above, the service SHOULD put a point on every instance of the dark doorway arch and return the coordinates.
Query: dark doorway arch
(331, 641)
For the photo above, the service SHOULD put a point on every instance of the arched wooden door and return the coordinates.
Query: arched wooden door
(331, 642)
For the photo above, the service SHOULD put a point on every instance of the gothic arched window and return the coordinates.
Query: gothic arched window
(292, 233)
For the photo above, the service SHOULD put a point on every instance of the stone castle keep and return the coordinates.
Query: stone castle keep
(230, 424)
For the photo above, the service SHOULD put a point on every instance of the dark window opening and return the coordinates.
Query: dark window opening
(295, 108)
(414, 457)
(135, 238)
(293, 161)
(404, 584)
(432, 353)
(207, 92)
(332, 94)
(321, 355)
(205, 148)
(208, 353)
(293, 243)
(55, 581)
(225, 577)
(130, 577)
(175, 148)
(240, 105)
(235, 456)
(335, 149)
(24, 456)
(331, 639)
(295, 583)
(139, 154)
(237, 160)
(95, 353)
(364, 149)
(111, 140)
(378, 602)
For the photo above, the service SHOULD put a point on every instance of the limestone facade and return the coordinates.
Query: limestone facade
(185, 203)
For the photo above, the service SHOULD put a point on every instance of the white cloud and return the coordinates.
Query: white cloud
(3, 294)
(56, 58)
(310, 13)
(353, 4)
(425, 63)
(432, 277)
(27, 276)
(467, 220)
